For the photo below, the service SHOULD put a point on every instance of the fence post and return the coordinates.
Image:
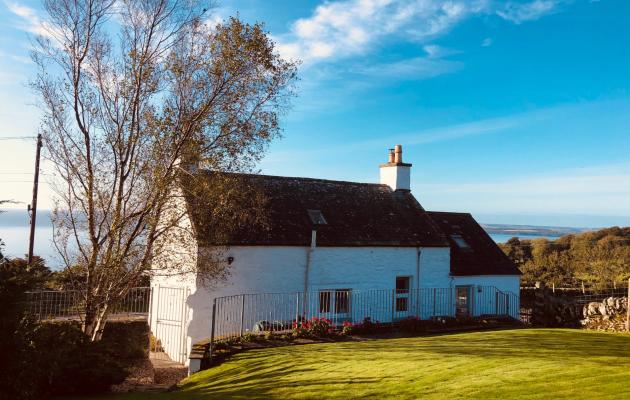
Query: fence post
(214, 309)
(496, 301)
(628, 308)
(297, 307)
(150, 314)
(393, 304)
(507, 304)
(242, 313)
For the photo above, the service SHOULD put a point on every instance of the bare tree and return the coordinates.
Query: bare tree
(134, 93)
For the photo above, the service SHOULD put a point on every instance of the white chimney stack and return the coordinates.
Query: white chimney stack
(395, 173)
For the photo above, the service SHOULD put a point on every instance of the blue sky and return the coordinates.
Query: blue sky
(516, 111)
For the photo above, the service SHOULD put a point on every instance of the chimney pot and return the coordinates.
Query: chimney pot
(391, 156)
(398, 154)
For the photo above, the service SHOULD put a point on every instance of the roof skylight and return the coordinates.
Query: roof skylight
(317, 218)
(460, 241)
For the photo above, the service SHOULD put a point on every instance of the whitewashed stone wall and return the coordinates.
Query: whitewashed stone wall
(281, 269)
(505, 283)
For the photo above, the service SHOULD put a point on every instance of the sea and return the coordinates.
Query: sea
(502, 238)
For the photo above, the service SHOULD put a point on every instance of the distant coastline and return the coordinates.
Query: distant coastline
(14, 232)
(531, 230)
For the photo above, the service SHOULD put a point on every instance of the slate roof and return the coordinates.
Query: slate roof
(482, 257)
(356, 214)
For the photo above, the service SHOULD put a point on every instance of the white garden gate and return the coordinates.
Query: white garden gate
(168, 321)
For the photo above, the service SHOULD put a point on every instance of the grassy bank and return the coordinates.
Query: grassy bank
(528, 364)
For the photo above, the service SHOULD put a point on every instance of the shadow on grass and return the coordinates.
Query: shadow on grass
(519, 343)
(317, 368)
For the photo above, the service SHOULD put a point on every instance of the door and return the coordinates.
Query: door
(401, 297)
(463, 302)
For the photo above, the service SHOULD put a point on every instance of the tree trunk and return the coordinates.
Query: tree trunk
(94, 323)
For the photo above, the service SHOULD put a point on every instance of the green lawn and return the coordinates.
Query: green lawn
(527, 363)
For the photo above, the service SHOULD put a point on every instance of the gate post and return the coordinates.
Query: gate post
(150, 315)
(242, 313)
(214, 309)
(182, 323)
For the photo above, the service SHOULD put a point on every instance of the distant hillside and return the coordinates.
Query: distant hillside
(531, 230)
(594, 258)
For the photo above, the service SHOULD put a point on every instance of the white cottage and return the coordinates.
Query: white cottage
(344, 250)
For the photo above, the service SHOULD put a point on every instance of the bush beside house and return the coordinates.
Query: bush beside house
(42, 359)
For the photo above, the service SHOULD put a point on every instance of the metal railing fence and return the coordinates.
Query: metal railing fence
(70, 304)
(234, 316)
(601, 294)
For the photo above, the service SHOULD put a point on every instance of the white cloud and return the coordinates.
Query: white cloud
(31, 22)
(435, 51)
(352, 27)
(487, 42)
(412, 68)
(519, 12)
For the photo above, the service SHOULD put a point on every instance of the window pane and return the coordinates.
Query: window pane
(324, 302)
(342, 301)
(402, 284)
(402, 304)
(461, 243)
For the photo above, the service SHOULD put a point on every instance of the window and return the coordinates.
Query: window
(402, 304)
(324, 302)
(337, 300)
(402, 293)
(402, 284)
(342, 303)
(461, 243)
(317, 218)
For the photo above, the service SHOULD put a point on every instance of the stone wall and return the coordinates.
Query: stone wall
(564, 310)
(607, 315)
(555, 310)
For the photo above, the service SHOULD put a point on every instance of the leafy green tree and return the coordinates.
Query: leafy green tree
(597, 259)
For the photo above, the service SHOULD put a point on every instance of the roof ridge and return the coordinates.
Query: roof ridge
(280, 177)
(449, 212)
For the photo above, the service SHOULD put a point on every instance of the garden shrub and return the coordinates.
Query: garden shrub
(348, 328)
(318, 327)
(364, 327)
(58, 359)
(127, 340)
(68, 363)
(249, 337)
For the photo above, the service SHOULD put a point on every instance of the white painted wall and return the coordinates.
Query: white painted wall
(396, 176)
(281, 269)
(485, 299)
(505, 283)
